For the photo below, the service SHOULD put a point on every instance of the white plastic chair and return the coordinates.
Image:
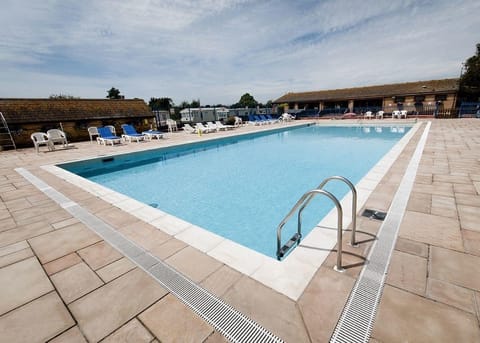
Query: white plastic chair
(41, 138)
(368, 115)
(92, 131)
(57, 136)
(379, 115)
(403, 114)
(395, 114)
(172, 125)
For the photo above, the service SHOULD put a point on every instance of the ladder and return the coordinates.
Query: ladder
(6, 139)
(300, 206)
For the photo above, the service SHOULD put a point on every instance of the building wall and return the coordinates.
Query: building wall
(75, 131)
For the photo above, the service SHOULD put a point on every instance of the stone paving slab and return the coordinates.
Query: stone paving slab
(22, 282)
(133, 331)
(76, 281)
(455, 267)
(37, 321)
(115, 269)
(74, 335)
(50, 246)
(432, 229)
(99, 255)
(404, 317)
(124, 298)
(170, 320)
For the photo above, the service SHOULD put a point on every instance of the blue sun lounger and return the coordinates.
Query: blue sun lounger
(105, 136)
(130, 133)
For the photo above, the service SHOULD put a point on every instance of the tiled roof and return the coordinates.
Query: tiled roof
(397, 89)
(18, 111)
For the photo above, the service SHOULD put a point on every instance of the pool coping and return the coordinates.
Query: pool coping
(290, 276)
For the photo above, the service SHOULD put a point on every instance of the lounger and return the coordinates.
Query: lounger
(222, 126)
(105, 136)
(188, 128)
(57, 136)
(151, 134)
(255, 120)
(265, 119)
(112, 129)
(201, 128)
(273, 120)
(41, 138)
(212, 127)
(129, 133)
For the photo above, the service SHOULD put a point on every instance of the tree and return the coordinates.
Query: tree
(470, 79)
(247, 101)
(114, 93)
(160, 104)
(195, 103)
(184, 104)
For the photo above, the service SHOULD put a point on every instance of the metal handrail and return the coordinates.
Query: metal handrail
(310, 195)
(354, 204)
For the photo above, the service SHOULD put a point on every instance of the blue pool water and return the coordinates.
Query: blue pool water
(242, 187)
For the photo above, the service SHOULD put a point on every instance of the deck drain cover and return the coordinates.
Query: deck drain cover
(374, 214)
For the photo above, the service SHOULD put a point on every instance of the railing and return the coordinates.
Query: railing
(302, 203)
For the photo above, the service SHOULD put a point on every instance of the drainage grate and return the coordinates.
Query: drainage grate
(234, 325)
(358, 317)
(374, 214)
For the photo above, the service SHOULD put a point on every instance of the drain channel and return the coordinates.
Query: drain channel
(358, 316)
(234, 325)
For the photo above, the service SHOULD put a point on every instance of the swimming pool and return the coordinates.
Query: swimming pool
(241, 187)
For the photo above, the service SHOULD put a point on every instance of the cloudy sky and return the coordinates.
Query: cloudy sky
(217, 50)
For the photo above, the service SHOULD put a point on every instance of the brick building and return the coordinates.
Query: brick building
(25, 116)
(420, 98)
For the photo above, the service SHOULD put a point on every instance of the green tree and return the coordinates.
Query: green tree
(195, 103)
(470, 79)
(160, 104)
(247, 101)
(114, 93)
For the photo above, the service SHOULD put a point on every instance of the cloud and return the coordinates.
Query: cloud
(217, 50)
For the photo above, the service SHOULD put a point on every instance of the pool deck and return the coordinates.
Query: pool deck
(59, 281)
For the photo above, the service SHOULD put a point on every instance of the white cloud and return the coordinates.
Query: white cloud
(217, 50)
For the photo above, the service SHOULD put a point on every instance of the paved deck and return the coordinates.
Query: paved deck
(61, 282)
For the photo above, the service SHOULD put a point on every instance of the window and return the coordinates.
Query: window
(419, 98)
(441, 97)
(399, 99)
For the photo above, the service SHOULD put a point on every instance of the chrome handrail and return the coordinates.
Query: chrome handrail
(310, 195)
(354, 204)
(302, 203)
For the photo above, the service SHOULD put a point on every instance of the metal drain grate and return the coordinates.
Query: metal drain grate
(234, 325)
(374, 214)
(358, 317)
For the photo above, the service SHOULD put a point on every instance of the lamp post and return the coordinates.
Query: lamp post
(454, 103)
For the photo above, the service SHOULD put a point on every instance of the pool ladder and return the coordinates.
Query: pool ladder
(300, 206)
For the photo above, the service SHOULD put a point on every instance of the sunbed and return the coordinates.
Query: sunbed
(129, 133)
(105, 136)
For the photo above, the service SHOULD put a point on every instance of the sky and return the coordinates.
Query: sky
(217, 50)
